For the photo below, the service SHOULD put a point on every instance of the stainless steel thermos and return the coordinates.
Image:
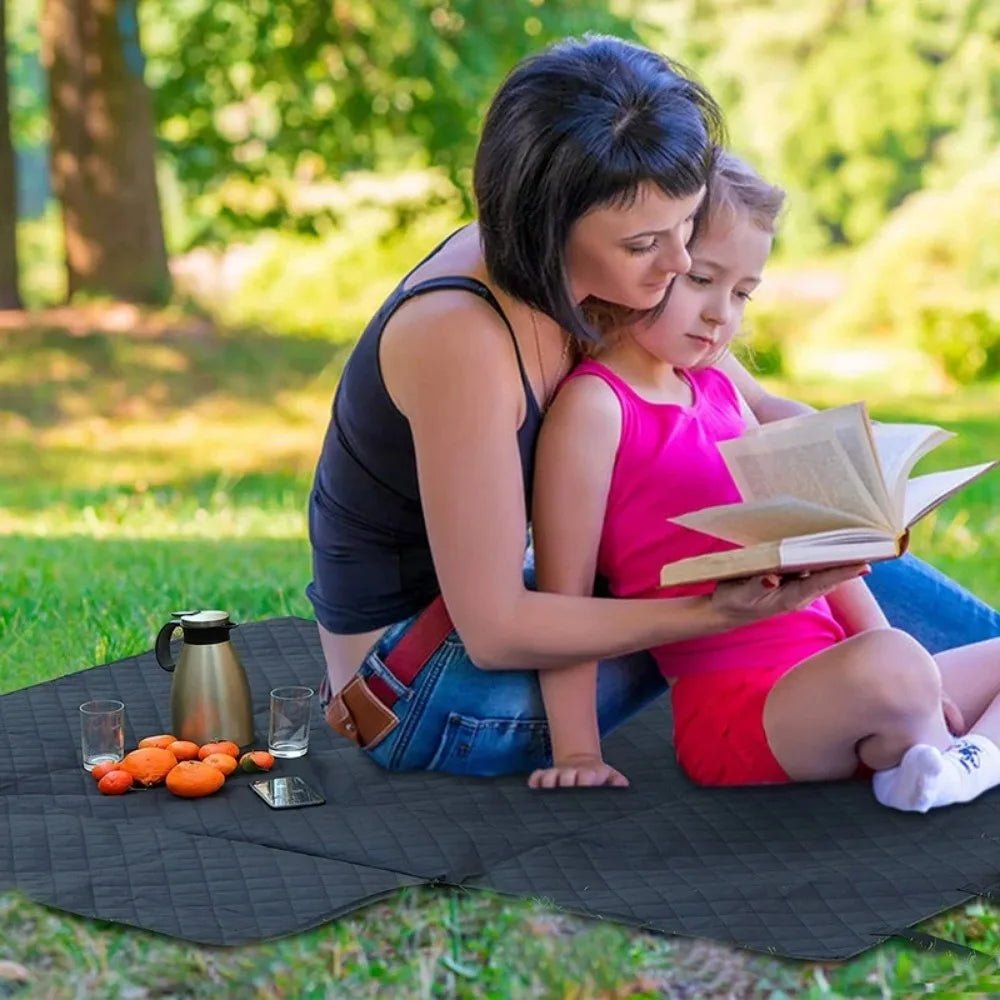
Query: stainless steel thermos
(210, 694)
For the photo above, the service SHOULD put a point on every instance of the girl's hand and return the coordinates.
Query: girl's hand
(756, 597)
(578, 771)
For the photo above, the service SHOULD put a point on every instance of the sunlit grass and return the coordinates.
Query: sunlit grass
(139, 474)
(140, 438)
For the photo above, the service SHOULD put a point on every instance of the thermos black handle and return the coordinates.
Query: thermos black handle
(163, 656)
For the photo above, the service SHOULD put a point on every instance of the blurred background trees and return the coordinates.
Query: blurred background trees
(303, 149)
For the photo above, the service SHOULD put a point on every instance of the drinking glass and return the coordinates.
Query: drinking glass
(288, 733)
(102, 732)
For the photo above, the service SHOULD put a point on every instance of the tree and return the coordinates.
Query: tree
(102, 150)
(9, 296)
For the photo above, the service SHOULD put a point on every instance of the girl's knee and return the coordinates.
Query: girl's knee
(894, 673)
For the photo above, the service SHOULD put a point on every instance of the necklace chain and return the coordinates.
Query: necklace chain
(548, 390)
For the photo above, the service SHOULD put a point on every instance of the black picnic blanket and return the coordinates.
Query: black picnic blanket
(812, 871)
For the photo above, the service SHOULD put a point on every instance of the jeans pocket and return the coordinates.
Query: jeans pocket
(374, 667)
(490, 747)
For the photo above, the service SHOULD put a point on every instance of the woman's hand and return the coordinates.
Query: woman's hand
(756, 597)
(578, 771)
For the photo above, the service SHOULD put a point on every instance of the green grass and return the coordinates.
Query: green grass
(140, 473)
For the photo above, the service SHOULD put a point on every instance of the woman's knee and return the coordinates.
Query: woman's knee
(893, 673)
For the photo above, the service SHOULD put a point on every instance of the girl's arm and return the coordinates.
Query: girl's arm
(449, 366)
(764, 405)
(855, 608)
(573, 466)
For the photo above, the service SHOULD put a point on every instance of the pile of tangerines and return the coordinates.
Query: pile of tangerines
(188, 770)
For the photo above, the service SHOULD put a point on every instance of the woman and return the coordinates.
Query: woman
(588, 178)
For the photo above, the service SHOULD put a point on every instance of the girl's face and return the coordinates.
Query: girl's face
(705, 306)
(629, 255)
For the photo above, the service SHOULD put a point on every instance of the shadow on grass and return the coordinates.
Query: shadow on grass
(48, 376)
(45, 482)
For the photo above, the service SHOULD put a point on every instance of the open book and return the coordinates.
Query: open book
(819, 490)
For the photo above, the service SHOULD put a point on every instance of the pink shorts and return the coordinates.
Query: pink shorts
(719, 726)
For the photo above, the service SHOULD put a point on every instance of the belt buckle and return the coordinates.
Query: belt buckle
(359, 715)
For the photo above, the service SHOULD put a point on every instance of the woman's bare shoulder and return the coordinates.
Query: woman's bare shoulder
(460, 256)
(445, 338)
(446, 325)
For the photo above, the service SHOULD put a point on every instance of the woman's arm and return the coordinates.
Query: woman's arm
(449, 365)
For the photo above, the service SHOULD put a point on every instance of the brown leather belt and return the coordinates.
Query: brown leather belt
(362, 709)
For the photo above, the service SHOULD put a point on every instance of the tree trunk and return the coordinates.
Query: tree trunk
(103, 159)
(9, 297)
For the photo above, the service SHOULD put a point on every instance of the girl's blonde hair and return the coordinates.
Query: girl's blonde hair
(734, 190)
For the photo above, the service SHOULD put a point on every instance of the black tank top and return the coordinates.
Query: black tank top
(372, 562)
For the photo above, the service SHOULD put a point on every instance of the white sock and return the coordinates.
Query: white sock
(927, 778)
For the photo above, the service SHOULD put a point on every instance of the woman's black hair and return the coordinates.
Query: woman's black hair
(581, 125)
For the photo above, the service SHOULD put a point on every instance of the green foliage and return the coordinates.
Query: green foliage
(770, 326)
(851, 106)
(27, 104)
(40, 254)
(965, 340)
(330, 286)
(260, 101)
(932, 278)
(262, 104)
(29, 124)
(858, 129)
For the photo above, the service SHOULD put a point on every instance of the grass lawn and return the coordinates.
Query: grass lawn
(140, 473)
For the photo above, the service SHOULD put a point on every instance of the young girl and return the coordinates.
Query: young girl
(631, 441)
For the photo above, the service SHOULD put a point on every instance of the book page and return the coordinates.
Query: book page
(814, 469)
(766, 520)
(847, 425)
(924, 493)
(900, 447)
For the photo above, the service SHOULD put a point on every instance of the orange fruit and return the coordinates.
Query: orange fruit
(184, 749)
(219, 746)
(222, 761)
(102, 769)
(256, 760)
(162, 741)
(192, 779)
(149, 765)
(115, 783)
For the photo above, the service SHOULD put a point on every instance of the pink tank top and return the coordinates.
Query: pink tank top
(667, 464)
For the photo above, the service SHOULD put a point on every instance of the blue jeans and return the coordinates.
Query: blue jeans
(458, 718)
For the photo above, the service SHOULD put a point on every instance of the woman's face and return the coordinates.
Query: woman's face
(629, 255)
